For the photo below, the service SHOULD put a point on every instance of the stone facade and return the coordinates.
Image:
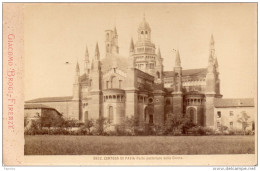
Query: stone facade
(137, 86)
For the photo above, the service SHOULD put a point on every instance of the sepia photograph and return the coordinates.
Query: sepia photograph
(133, 81)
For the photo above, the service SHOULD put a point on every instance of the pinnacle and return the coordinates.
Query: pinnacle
(77, 67)
(132, 45)
(212, 42)
(178, 60)
(115, 30)
(159, 52)
(97, 55)
(86, 54)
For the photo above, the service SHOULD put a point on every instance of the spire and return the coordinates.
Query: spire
(159, 53)
(178, 59)
(77, 67)
(211, 51)
(144, 25)
(212, 46)
(86, 55)
(216, 62)
(97, 55)
(132, 46)
(77, 73)
(212, 42)
(115, 31)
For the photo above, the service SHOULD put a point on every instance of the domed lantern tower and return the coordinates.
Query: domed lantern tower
(145, 53)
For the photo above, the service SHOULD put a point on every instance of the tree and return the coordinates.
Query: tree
(89, 124)
(177, 123)
(130, 123)
(101, 125)
(244, 121)
(51, 119)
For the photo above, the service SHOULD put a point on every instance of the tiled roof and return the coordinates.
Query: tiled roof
(187, 72)
(246, 102)
(50, 99)
(36, 106)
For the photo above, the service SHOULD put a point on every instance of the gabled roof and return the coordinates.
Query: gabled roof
(36, 106)
(245, 102)
(187, 72)
(50, 99)
(40, 106)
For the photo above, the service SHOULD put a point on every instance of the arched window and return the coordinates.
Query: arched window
(158, 74)
(142, 32)
(146, 34)
(168, 102)
(148, 115)
(86, 116)
(113, 82)
(192, 115)
(120, 84)
(107, 85)
(110, 114)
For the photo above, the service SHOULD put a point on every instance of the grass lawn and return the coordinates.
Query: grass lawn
(137, 145)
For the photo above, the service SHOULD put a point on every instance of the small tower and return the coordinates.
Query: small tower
(177, 92)
(76, 83)
(158, 92)
(131, 62)
(159, 68)
(217, 86)
(178, 73)
(75, 109)
(211, 74)
(131, 90)
(96, 71)
(86, 62)
(95, 86)
(111, 41)
(145, 55)
(210, 91)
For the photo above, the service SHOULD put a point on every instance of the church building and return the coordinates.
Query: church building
(137, 85)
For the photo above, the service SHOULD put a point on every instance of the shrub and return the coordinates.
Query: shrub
(208, 131)
(198, 130)
(34, 129)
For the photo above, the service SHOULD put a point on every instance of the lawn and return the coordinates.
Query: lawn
(137, 145)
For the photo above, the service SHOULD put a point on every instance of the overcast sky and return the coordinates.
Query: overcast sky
(59, 33)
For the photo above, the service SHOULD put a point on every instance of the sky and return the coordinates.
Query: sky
(58, 33)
